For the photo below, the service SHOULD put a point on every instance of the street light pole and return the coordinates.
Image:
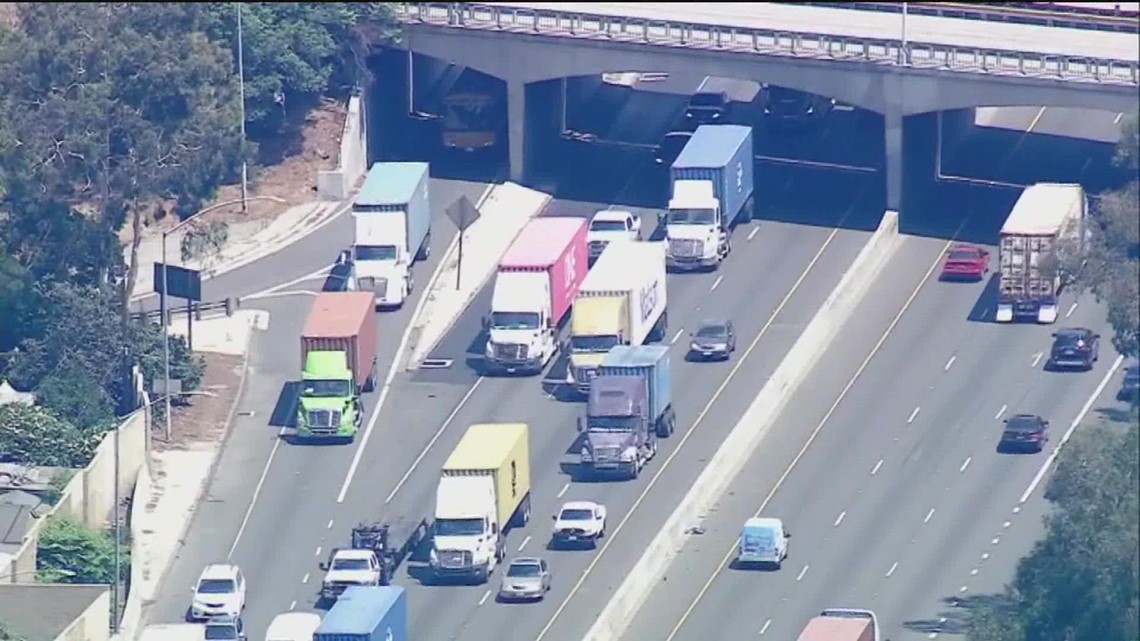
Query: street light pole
(164, 313)
(118, 535)
(241, 91)
(905, 59)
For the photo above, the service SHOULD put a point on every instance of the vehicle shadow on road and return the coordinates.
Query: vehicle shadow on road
(957, 613)
(982, 311)
(285, 410)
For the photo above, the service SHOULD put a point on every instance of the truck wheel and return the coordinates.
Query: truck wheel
(425, 249)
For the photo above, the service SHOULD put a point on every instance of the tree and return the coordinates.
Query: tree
(1108, 263)
(33, 435)
(294, 52)
(68, 552)
(5, 635)
(1082, 582)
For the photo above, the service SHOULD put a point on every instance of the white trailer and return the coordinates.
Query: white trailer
(174, 632)
(623, 301)
(1047, 219)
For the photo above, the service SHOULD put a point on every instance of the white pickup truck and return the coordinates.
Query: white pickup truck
(580, 522)
(609, 225)
(349, 567)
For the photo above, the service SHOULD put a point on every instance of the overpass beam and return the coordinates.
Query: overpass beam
(893, 121)
(516, 136)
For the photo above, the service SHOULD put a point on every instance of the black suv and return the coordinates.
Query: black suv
(1074, 347)
(1024, 432)
(1130, 386)
(670, 147)
(707, 108)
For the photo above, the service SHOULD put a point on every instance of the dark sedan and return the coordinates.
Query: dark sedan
(714, 340)
(1074, 347)
(1024, 433)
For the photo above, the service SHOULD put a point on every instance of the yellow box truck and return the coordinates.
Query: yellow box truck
(484, 491)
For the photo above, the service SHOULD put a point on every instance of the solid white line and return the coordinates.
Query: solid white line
(764, 628)
(305, 579)
(322, 272)
(1037, 358)
(877, 466)
(484, 598)
(802, 573)
(929, 515)
(839, 519)
(1072, 309)
(894, 566)
(677, 335)
(438, 433)
(1036, 119)
(949, 363)
(1072, 427)
(256, 493)
(283, 294)
(563, 490)
(611, 536)
(912, 415)
(397, 357)
(716, 283)
(751, 235)
(524, 542)
(1000, 412)
(965, 464)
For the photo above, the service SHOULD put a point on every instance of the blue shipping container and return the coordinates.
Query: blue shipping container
(367, 614)
(394, 187)
(721, 154)
(648, 361)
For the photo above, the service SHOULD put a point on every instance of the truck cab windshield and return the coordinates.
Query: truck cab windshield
(466, 112)
(692, 217)
(593, 343)
(325, 389)
(221, 633)
(514, 320)
(612, 423)
(608, 225)
(376, 252)
(350, 564)
(458, 527)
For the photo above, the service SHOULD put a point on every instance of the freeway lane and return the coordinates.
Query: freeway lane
(312, 253)
(263, 487)
(860, 499)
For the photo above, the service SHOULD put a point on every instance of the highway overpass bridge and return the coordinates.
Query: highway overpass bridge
(871, 60)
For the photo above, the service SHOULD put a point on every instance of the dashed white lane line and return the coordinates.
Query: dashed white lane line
(894, 566)
(1072, 309)
(292, 606)
(563, 490)
(1072, 428)
(800, 577)
(949, 363)
(677, 335)
(875, 469)
(1037, 358)
(305, 579)
(1036, 119)
(912, 416)
(1000, 412)
(318, 553)
(483, 599)
(751, 235)
(1116, 120)
(965, 464)
(839, 519)
(329, 526)
(716, 283)
(524, 542)
(929, 515)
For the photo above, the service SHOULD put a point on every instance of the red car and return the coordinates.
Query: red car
(966, 262)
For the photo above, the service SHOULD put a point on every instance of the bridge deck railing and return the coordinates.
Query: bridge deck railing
(773, 43)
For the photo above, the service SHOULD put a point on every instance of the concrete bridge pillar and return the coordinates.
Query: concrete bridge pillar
(516, 130)
(893, 126)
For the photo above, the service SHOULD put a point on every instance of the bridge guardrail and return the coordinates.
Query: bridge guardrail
(768, 42)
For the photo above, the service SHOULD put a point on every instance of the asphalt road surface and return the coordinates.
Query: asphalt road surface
(265, 536)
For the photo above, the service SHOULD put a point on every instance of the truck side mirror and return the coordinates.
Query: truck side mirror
(324, 566)
(662, 217)
(787, 534)
(554, 517)
(581, 424)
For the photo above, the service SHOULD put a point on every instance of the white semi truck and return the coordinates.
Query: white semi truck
(623, 301)
(1047, 220)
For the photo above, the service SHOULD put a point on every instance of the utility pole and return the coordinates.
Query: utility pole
(241, 92)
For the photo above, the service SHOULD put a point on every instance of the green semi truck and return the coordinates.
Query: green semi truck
(338, 361)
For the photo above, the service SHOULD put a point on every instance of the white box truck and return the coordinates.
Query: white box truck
(623, 301)
(1047, 219)
(174, 632)
(392, 221)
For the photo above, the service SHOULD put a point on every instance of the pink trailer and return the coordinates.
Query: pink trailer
(556, 246)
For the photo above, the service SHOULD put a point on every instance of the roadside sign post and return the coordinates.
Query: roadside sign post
(464, 214)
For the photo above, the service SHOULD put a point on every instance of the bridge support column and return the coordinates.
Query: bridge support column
(893, 121)
(516, 135)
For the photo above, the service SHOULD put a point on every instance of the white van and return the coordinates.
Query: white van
(293, 626)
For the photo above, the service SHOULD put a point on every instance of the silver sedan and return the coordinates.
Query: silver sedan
(526, 579)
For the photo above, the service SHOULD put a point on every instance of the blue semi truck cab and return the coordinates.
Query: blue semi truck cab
(630, 406)
(367, 613)
(712, 192)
